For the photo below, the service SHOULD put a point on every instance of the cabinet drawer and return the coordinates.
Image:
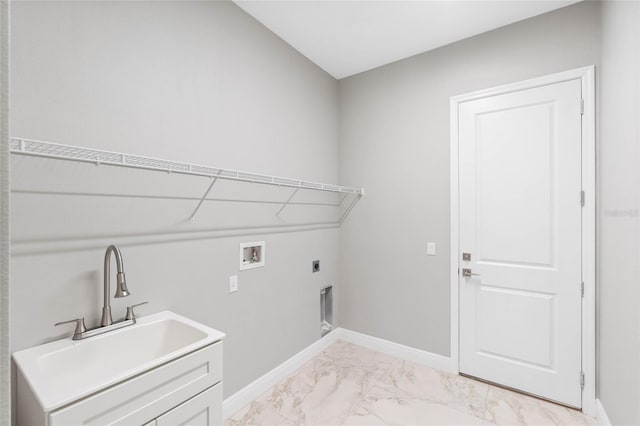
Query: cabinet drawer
(142, 398)
(204, 409)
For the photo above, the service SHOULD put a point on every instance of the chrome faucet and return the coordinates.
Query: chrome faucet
(121, 289)
(106, 325)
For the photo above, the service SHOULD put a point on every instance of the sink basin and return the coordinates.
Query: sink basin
(66, 370)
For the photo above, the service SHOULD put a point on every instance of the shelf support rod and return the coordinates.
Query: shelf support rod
(287, 202)
(192, 219)
(348, 210)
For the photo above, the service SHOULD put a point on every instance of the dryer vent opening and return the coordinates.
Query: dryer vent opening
(326, 310)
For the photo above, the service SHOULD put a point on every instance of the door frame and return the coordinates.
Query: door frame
(586, 75)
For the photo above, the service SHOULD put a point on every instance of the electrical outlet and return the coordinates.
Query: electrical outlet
(233, 283)
(431, 249)
(315, 266)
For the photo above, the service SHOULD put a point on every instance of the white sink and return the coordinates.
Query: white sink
(66, 370)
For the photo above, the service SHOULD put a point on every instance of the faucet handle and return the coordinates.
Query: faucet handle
(130, 314)
(80, 328)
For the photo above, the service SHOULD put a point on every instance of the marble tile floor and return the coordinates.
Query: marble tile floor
(350, 385)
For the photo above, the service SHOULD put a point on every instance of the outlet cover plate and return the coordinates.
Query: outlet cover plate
(233, 283)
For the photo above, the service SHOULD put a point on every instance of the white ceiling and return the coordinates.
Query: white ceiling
(348, 37)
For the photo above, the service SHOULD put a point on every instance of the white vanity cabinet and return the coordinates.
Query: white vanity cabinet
(183, 387)
(171, 389)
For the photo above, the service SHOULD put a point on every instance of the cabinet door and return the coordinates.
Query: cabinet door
(204, 409)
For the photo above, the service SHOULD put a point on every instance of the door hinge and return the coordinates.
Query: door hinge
(582, 289)
(582, 196)
(582, 380)
(581, 106)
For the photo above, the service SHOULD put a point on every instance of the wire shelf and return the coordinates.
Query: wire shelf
(89, 155)
(96, 156)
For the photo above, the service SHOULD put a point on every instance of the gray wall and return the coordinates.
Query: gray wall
(199, 82)
(5, 354)
(618, 251)
(394, 136)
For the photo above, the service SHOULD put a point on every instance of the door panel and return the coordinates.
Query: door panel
(514, 152)
(504, 340)
(520, 218)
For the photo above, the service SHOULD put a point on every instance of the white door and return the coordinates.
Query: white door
(520, 223)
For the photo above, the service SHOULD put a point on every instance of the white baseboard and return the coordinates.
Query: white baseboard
(259, 386)
(439, 362)
(601, 415)
(253, 390)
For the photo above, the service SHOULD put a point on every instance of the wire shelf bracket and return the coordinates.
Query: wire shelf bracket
(35, 148)
(192, 218)
(288, 201)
